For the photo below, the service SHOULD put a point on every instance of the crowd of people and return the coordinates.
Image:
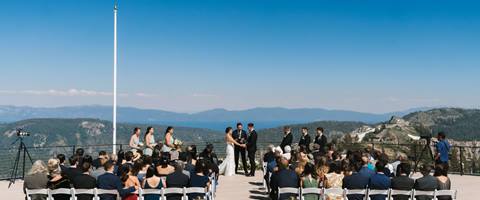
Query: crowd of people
(324, 166)
(127, 171)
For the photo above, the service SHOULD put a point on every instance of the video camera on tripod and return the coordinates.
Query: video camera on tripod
(22, 133)
(20, 159)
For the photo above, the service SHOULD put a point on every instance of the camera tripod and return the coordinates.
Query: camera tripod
(22, 148)
(426, 150)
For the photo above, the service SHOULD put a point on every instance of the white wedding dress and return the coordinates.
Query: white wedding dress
(227, 167)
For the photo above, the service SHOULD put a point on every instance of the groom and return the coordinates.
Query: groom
(251, 147)
(241, 137)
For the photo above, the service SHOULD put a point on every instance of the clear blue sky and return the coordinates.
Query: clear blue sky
(188, 56)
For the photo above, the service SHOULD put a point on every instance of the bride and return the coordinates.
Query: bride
(227, 167)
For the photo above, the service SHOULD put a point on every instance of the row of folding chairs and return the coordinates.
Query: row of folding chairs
(367, 193)
(141, 192)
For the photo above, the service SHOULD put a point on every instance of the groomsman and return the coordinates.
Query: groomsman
(321, 139)
(305, 139)
(287, 138)
(251, 148)
(241, 137)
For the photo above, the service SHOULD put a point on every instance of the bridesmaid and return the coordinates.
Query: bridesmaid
(169, 140)
(149, 142)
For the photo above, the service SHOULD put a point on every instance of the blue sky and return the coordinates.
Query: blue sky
(373, 56)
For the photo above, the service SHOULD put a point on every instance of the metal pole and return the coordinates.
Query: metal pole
(115, 76)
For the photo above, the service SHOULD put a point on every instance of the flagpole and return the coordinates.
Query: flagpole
(115, 8)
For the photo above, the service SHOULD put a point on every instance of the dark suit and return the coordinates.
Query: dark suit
(322, 142)
(354, 182)
(379, 181)
(426, 183)
(252, 149)
(240, 137)
(402, 183)
(109, 181)
(281, 179)
(84, 181)
(287, 141)
(305, 140)
(71, 172)
(177, 179)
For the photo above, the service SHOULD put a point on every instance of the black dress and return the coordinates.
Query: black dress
(60, 183)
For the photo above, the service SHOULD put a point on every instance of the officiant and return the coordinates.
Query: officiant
(241, 137)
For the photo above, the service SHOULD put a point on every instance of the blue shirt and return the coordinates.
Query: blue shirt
(367, 172)
(443, 147)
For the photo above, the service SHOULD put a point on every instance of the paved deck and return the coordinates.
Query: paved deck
(239, 187)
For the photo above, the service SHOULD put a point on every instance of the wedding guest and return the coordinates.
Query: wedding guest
(109, 181)
(402, 181)
(36, 178)
(379, 181)
(287, 138)
(321, 140)
(443, 180)
(152, 182)
(97, 163)
(135, 139)
(199, 179)
(128, 161)
(139, 169)
(426, 183)
(149, 141)
(309, 181)
(72, 171)
(100, 170)
(305, 139)
(209, 155)
(284, 177)
(163, 168)
(57, 180)
(356, 181)
(177, 179)
(61, 158)
(366, 170)
(334, 179)
(287, 152)
(84, 181)
(129, 180)
(169, 140)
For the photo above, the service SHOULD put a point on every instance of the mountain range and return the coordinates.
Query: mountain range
(216, 119)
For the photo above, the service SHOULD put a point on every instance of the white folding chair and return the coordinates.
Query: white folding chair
(335, 192)
(423, 193)
(197, 190)
(355, 192)
(169, 191)
(143, 192)
(378, 192)
(450, 193)
(287, 190)
(401, 193)
(312, 191)
(36, 192)
(76, 192)
(102, 192)
(66, 191)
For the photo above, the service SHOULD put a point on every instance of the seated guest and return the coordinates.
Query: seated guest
(177, 179)
(109, 181)
(139, 169)
(37, 178)
(316, 153)
(284, 177)
(72, 171)
(443, 180)
(379, 181)
(402, 181)
(96, 163)
(334, 179)
(287, 153)
(84, 181)
(209, 155)
(309, 181)
(152, 182)
(199, 179)
(426, 183)
(61, 158)
(128, 160)
(57, 180)
(100, 170)
(366, 168)
(162, 166)
(270, 155)
(399, 160)
(356, 181)
(129, 180)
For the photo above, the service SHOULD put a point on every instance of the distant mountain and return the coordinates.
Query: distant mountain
(86, 131)
(216, 119)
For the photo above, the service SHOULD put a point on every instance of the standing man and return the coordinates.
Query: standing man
(305, 140)
(442, 150)
(287, 138)
(252, 147)
(321, 140)
(241, 137)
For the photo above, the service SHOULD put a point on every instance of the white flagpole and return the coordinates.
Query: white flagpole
(115, 8)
